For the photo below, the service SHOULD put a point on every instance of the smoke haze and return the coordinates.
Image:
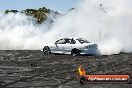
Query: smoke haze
(106, 22)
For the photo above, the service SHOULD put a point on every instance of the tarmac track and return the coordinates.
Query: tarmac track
(33, 69)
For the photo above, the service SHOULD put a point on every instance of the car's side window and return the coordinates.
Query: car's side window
(70, 41)
(61, 41)
(73, 41)
(67, 41)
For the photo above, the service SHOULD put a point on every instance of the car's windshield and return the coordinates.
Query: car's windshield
(81, 40)
(61, 41)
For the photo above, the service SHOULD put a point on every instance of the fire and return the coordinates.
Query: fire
(81, 71)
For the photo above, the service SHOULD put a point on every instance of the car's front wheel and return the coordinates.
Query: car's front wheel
(75, 52)
(46, 50)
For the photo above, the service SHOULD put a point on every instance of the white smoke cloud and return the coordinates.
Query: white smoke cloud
(106, 22)
(18, 31)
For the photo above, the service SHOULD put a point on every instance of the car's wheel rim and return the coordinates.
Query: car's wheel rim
(46, 50)
(74, 54)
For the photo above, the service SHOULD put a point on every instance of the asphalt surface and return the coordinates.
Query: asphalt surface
(33, 69)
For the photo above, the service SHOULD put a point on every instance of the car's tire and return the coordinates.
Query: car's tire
(46, 50)
(75, 52)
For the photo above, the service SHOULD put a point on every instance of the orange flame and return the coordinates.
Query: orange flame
(82, 71)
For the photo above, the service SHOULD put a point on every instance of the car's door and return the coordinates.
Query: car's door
(70, 44)
(59, 46)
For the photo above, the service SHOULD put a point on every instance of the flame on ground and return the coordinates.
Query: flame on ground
(81, 71)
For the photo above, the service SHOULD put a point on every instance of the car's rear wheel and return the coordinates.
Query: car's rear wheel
(46, 50)
(75, 52)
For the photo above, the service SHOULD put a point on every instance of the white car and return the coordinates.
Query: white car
(73, 46)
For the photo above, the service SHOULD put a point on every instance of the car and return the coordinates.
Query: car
(73, 46)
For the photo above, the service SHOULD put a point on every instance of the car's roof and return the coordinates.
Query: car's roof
(76, 38)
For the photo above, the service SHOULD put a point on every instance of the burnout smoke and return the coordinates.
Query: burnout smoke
(106, 22)
(18, 31)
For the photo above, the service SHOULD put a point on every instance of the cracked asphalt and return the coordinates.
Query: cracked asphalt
(33, 69)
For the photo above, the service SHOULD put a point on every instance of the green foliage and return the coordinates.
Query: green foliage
(39, 14)
(11, 11)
